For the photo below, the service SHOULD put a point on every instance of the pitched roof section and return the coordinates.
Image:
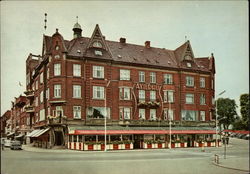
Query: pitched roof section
(134, 54)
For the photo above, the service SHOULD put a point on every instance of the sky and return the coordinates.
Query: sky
(218, 27)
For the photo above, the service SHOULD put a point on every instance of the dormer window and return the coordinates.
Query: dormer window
(189, 65)
(188, 57)
(98, 53)
(97, 44)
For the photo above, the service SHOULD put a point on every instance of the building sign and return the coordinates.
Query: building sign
(147, 86)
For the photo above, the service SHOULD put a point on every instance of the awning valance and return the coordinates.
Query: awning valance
(19, 136)
(115, 132)
(10, 134)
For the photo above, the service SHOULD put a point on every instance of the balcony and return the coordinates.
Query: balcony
(56, 120)
(29, 109)
(29, 93)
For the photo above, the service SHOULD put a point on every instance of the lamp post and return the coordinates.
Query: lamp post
(216, 119)
(105, 118)
(170, 138)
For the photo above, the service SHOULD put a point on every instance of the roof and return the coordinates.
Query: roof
(132, 54)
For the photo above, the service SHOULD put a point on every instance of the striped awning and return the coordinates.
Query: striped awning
(38, 132)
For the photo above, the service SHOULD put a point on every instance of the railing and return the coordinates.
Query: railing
(56, 120)
(29, 93)
(148, 104)
(29, 108)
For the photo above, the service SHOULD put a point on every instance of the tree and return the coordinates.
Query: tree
(226, 111)
(244, 110)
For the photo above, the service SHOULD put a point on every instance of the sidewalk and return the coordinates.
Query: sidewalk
(234, 163)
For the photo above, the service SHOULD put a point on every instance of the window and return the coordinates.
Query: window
(98, 92)
(168, 96)
(36, 101)
(58, 112)
(57, 69)
(152, 114)
(76, 70)
(189, 115)
(41, 97)
(98, 71)
(141, 95)
(141, 76)
(189, 81)
(98, 112)
(42, 115)
(124, 93)
(77, 112)
(168, 79)
(47, 93)
(152, 77)
(152, 95)
(48, 73)
(202, 99)
(142, 114)
(97, 44)
(41, 77)
(125, 113)
(57, 91)
(124, 74)
(37, 85)
(98, 53)
(202, 82)
(189, 98)
(212, 84)
(202, 115)
(76, 91)
(168, 114)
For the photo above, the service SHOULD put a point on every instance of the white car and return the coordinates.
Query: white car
(7, 143)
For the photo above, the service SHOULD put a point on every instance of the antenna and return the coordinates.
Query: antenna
(45, 21)
(185, 38)
(76, 19)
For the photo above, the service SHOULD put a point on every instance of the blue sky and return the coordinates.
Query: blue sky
(219, 27)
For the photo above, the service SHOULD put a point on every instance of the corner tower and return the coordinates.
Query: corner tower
(77, 30)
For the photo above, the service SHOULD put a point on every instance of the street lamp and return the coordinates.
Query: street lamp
(105, 118)
(216, 120)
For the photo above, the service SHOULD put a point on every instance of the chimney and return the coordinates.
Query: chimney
(122, 40)
(147, 44)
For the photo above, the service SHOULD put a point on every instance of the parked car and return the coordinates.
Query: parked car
(7, 143)
(246, 137)
(16, 145)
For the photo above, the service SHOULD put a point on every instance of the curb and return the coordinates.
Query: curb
(229, 167)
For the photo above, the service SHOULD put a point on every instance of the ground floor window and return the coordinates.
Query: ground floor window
(98, 112)
(189, 115)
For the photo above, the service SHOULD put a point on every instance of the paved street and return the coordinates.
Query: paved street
(33, 160)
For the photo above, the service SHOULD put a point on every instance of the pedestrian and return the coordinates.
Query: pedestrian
(2, 144)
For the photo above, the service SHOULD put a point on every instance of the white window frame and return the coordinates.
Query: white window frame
(202, 115)
(152, 115)
(189, 81)
(57, 69)
(125, 113)
(77, 70)
(168, 79)
(124, 74)
(41, 97)
(168, 96)
(59, 109)
(202, 82)
(77, 110)
(188, 97)
(141, 95)
(98, 72)
(123, 91)
(141, 76)
(77, 91)
(152, 77)
(98, 92)
(202, 99)
(47, 93)
(57, 91)
(42, 115)
(152, 95)
(41, 77)
(48, 73)
(142, 114)
(168, 114)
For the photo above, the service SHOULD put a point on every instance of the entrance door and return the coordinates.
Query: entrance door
(58, 138)
(138, 141)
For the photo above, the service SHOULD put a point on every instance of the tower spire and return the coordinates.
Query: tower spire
(45, 21)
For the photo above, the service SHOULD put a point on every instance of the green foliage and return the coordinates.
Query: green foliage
(226, 110)
(244, 110)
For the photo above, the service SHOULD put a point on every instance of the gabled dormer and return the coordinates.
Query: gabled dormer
(97, 44)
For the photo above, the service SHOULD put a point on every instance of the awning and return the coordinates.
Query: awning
(37, 132)
(19, 136)
(41, 132)
(10, 134)
(139, 130)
